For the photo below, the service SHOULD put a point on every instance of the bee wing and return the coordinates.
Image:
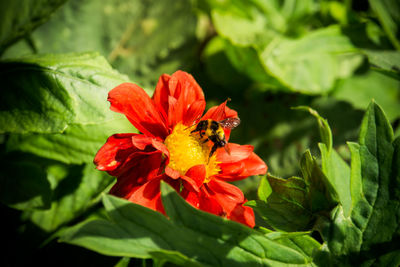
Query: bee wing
(230, 123)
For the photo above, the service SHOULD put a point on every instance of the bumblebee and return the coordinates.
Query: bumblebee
(214, 131)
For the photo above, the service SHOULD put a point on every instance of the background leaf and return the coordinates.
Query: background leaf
(140, 39)
(19, 18)
(388, 15)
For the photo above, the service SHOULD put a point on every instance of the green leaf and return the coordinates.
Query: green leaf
(334, 167)
(338, 173)
(371, 233)
(264, 189)
(388, 61)
(241, 244)
(388, 14)
(295, 202)
(19, 17)
(45, 94)
(24, 184)
(381, 180)
(311, 71)
(321, 195)
(189, 237)
(341, 234)
(75, 189)
(359, 90)
(124, 262)
(265, 42)
(76, 145)
(300, 241)
(142, 39)
(57, 105)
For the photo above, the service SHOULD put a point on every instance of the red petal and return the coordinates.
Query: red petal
(227, 195)
(137, 170)
(175, 94)
(174, 174)
(183, 85)
(243, 214)
(194, 112)
(114, 152)
(148, 195)
(139, 108)
(230, 169)
(195, 176)
(219, 113)
(237, 153)
(253, 165)
(174, 112)
(142, 142)
(160, 96)
(209, 204)
(191, 197)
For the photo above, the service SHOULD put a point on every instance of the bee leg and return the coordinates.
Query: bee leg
(205, 141)
(213, 149)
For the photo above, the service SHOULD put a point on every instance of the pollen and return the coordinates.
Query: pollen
(187, 150)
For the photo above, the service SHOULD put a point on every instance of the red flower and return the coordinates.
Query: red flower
(167, 150)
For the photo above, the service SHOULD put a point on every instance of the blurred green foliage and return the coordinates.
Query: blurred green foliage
(267, 56)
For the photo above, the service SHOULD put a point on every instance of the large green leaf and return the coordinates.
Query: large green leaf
(143, 39)
(300, 241)
(379, 200)
(56, 106)
(45, 94)
(293, 204)
(20, 17)
(311, 64)
(188, 237)
(75, 189)
(285, 209)
(371, 232)
(76, 145)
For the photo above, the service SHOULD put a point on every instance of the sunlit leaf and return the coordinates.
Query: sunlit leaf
(57, 105)
(189, 237)
(371, 232)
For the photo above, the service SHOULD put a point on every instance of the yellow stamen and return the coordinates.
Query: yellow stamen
(187, 150)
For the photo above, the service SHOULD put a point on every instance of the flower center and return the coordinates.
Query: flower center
(187, 150)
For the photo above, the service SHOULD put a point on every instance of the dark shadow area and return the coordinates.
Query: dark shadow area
(24, 242)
